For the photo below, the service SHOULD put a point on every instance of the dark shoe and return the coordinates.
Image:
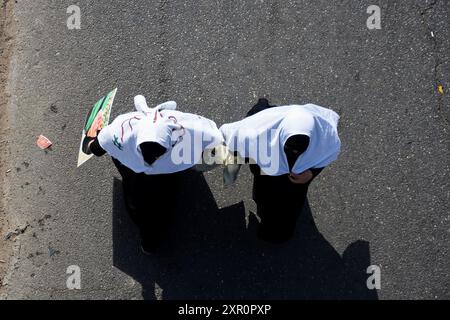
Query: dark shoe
(263, 103)
(144, 251)
(147, 249)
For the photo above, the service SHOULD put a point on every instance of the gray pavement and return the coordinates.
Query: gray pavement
(384, 202)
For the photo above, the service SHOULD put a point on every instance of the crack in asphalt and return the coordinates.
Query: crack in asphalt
(430, 7)
(438, 61)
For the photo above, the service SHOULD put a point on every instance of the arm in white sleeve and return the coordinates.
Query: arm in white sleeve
(141, 104)
(169, 105)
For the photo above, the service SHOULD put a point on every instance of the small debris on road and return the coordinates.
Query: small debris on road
(52, 252)
(19, 230)
(43, 142)
(441, 89)
(54, 108)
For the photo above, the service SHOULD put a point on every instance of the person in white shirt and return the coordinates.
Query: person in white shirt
(287, 147)
(151, 148)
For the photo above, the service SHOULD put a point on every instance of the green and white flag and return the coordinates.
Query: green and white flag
(97, 119)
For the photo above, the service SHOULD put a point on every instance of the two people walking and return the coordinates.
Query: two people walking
(286, 148)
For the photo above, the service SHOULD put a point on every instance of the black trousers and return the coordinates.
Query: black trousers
(279, 202)
(150, 201)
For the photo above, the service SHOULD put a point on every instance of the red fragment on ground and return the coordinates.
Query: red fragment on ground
(43, 142)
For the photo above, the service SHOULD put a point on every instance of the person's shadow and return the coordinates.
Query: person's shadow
(210, 254)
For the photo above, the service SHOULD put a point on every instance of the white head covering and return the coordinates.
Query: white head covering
(262, 136)
(184, 135)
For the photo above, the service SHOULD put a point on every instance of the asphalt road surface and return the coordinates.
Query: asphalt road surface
(384, 202)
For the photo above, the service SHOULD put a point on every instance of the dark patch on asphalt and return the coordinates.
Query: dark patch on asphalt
(52, 252)
(41, 191)
(54, 108)
(41, 222)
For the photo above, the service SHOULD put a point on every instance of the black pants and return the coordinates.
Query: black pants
(150, 201)
(279, 204)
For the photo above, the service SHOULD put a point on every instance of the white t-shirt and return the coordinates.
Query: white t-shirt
(262, 136)
(184, 135)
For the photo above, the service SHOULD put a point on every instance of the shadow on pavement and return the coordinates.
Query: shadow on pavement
(210, 254)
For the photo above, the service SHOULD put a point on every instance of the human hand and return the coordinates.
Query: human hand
(96, 126)
(301, 178)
